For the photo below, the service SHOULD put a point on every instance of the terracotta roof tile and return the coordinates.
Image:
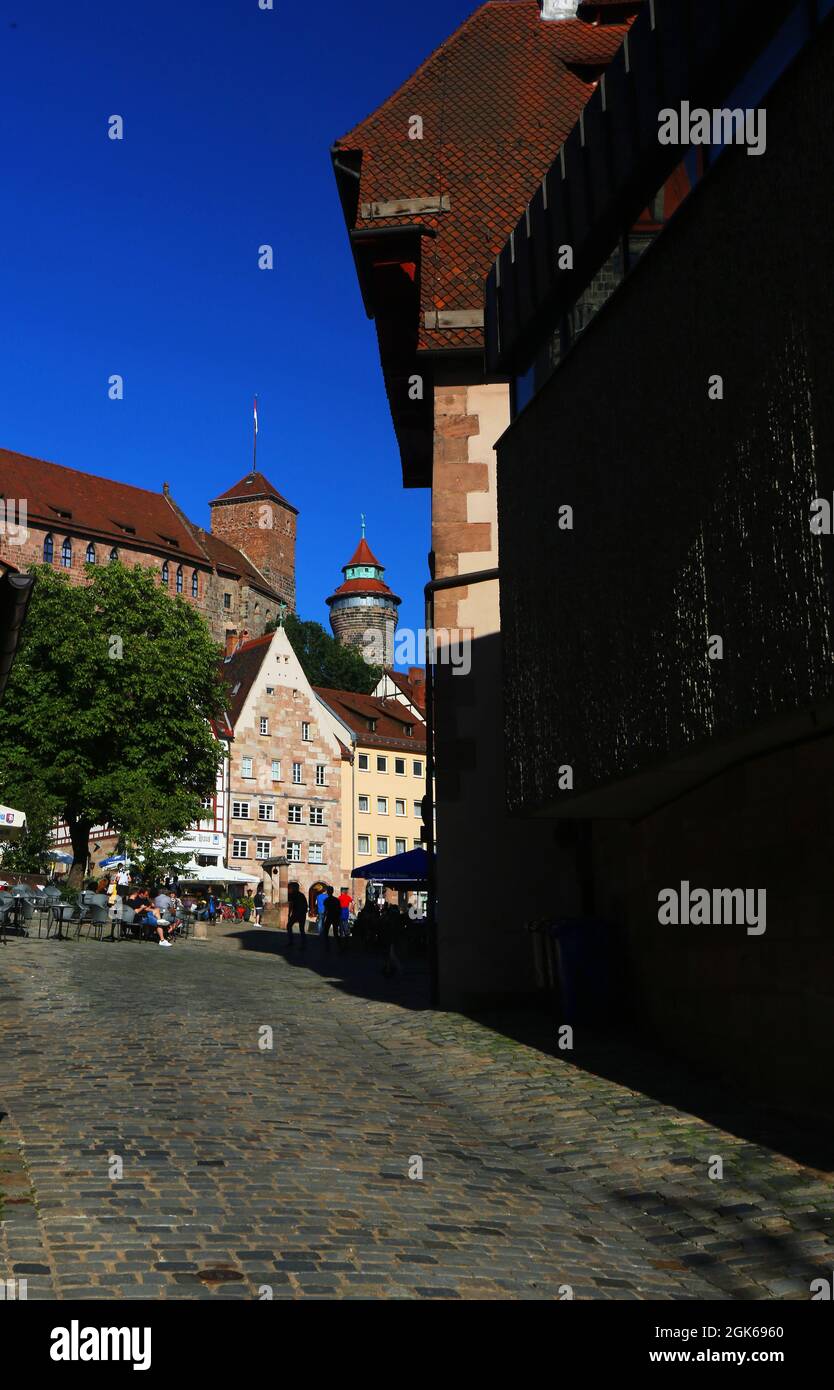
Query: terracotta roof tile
(363, 555)
(364, 586)
(390, 715)
(497, 100)
(254, 484)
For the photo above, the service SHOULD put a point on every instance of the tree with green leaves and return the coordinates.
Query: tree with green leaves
(105, 719)
(325, 661)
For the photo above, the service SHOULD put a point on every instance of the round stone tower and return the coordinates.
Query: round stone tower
(363, 610)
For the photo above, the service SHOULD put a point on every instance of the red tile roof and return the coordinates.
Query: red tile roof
(390, 715)
(497, 100)
(363, 555)
(254, 484)
(240, 671)
(364, 586)
(100, 508)
(413, 690)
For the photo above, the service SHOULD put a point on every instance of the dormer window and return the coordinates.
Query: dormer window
(48, 550)
(372, 725)
(128, 530)
(409, 731)
(59, 511)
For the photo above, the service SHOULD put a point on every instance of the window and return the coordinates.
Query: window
(66, 555)
(276, 769)
(317, 815)
(195, 585)
(321, 773)
(364, 803)
(240, 849)
(270, 690)
(409, 730)
(382, 764)
(364, 762)
(305, 733)
(382, 844)
(418, 769)
(263, 849)
(246, 767)
(418, 809)
(166, 573)
(372, 725)
(206, 802)
(382, 805)
(264, 725)
(399, 807)
(266, 810)
(296, 773)
(48, 550)
(364, 844)
(418, 844)
(295, 814)
(90, 557)
(227, 600)
(315, 854)
(114, 555)
(179, 579)
(240, 810)
(399, 767)
(294, 851)
(400, 846)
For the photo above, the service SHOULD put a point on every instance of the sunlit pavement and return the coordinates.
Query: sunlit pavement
(174, 1148)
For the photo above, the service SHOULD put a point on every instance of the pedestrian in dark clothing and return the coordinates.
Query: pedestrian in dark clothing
(392, 930)
(259, 904)
(332, 918)
(297, 915)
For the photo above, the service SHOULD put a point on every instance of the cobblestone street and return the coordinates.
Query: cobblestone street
(247, 1169)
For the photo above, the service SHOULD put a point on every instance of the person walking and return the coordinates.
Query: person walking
(259, 904)
(332, 918)
(320, 901)
(297, 914)
(345, 901)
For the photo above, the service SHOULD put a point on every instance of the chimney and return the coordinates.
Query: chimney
(416, 675)
(231, 642)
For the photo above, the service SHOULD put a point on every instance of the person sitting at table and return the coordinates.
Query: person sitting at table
(147, 918)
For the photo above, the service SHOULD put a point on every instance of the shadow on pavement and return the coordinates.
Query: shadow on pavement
(352, 972)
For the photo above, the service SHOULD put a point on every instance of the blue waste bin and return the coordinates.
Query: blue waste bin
(590, 967)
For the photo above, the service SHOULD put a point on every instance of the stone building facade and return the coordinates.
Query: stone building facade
(236, 575)
(285, 771)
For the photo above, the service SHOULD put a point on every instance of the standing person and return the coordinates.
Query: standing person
(211, 907)
(297, 914)
(320, 901)
(259, 904)
(392, 931)
(122, 881)
(345, 901)
(332, 918)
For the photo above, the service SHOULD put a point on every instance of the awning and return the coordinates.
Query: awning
(407, 870)
(207, 874)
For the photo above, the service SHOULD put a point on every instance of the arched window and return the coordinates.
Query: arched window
(48, 549)
(66, 554)
(114, 555)
(195, 585)
(91, 554)
(165, 573)
(179, 579)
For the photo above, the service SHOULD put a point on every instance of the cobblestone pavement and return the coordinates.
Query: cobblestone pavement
(251, 1172)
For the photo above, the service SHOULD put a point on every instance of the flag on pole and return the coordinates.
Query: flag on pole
(256, 414)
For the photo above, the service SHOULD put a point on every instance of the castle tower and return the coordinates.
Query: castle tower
(363, 610)
(253, 517)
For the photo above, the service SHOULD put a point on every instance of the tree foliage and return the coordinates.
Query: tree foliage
(325, 661)
(105, 716)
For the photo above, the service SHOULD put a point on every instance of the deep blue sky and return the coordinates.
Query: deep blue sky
(139, 257)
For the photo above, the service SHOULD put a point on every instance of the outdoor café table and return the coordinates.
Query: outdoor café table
(61, 913)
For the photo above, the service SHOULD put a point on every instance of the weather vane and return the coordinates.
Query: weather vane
(362, 514)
